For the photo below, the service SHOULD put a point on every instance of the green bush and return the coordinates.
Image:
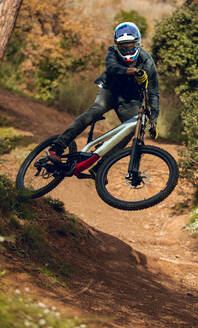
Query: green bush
(134, 17)
(9, 73)
(11, 200)
(76, 95)
(175, 48)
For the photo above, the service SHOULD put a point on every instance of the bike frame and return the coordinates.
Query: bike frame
(114, 137)
(111, 138)
(120, 132)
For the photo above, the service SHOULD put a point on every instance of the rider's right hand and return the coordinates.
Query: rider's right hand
(153, 130)
(141, 78)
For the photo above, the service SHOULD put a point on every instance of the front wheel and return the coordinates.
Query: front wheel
(38, 182)
(157, 177)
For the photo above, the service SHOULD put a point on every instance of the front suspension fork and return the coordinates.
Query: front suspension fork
(133, 169)
(134, 160)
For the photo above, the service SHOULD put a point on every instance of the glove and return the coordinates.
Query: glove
(153, 130)
(141, 78)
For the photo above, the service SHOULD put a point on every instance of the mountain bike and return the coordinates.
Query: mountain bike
(133, 178)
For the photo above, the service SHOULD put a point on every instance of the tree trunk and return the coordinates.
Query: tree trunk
(9, 10)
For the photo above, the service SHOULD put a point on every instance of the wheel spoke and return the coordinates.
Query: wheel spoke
(37, 173)
(156, 178)
(155, 175)
(33, 181)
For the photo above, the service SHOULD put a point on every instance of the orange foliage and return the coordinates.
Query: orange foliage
(49, 30)
(50, 43)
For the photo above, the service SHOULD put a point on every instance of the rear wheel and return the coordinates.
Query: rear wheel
(157, 177)
(37, 175)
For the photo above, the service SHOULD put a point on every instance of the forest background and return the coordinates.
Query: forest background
(58, 49)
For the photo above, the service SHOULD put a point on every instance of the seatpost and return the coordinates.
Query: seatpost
(90, 135)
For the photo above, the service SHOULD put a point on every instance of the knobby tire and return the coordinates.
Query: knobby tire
(156, 152)
(29, 159)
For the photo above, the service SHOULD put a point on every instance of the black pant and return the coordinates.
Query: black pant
(103, 103)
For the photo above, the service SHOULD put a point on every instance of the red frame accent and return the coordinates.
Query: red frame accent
(85, 164)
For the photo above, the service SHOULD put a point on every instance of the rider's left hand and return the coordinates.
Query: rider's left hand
(153, 130)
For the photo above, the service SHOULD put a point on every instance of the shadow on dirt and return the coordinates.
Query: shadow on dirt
(109, 279)
(112, 281)
(122, 287)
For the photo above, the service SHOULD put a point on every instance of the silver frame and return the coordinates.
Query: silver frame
(114, 137)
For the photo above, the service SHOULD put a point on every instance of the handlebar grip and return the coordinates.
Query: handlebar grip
(140, 72)
(141, 78)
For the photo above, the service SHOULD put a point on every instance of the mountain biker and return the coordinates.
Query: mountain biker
(119, 86)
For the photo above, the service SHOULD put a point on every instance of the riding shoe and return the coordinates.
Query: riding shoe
(54, 154)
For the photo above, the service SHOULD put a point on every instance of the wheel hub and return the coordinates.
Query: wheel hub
(138, 180)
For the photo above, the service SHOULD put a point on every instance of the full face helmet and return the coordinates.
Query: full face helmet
(127, 41)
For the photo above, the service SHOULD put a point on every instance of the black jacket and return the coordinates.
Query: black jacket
(121, 84)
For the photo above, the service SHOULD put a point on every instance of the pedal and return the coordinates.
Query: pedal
(68, 172)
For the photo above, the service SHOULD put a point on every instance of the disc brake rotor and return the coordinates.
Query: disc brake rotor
(144, 181)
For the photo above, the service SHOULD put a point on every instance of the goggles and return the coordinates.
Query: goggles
(127, 50)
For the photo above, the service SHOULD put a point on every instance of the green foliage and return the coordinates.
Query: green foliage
(29, 239)
(8, 196)
(9, 74)
(11, 199)
(3, 121)
(134, 17)
(56, 204)
(192, 227)
(175, 48)
(74, 228)
(76, 95)
(15, 222)
(21, 311)
(10, 138)
(7, 144)
(32, 242)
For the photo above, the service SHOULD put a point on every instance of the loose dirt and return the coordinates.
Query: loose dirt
(138, 269)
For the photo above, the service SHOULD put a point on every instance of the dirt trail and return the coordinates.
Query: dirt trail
(149, 252)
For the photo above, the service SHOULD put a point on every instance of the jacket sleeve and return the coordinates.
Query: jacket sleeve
(113, 66)
(153, 91)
